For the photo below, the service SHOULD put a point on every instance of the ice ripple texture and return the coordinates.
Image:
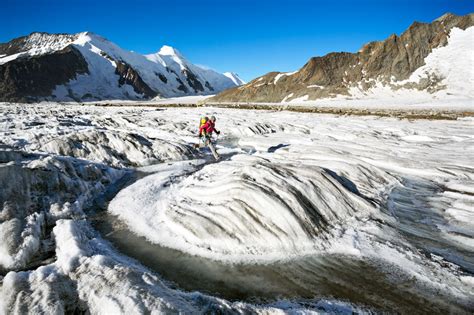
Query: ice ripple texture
(381, 208)
(246, 208)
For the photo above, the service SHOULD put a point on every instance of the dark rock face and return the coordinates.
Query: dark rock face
(333, 74)
(162, 78)
(209, 86)
(26, 79)
(129, 76)
(181, 86)
(193, 81)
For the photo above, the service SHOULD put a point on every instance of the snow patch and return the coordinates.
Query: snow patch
(280, 75)
(287, 97)
(299, 99)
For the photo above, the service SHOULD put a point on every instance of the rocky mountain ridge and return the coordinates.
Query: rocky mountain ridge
(388, 66)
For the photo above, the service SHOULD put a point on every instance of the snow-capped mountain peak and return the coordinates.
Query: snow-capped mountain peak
(235, 78)
(87, 66)
(169, 51)
(172, 56)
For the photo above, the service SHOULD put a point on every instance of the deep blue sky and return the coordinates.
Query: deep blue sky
(247, 37)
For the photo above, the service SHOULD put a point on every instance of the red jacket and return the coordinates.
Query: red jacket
(208, 128)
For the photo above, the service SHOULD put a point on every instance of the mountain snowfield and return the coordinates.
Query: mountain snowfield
(113, 210)
(163, 74)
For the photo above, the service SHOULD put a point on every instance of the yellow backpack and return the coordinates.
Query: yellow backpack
(203, 121)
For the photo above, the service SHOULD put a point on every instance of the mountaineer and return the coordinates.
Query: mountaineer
(206, 128)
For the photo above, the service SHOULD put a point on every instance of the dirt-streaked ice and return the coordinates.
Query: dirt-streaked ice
(395, 194)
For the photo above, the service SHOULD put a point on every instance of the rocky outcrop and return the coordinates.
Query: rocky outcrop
(193, 81)
(393, 59)
(27, 79)
(129, 76)
(36, 41)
